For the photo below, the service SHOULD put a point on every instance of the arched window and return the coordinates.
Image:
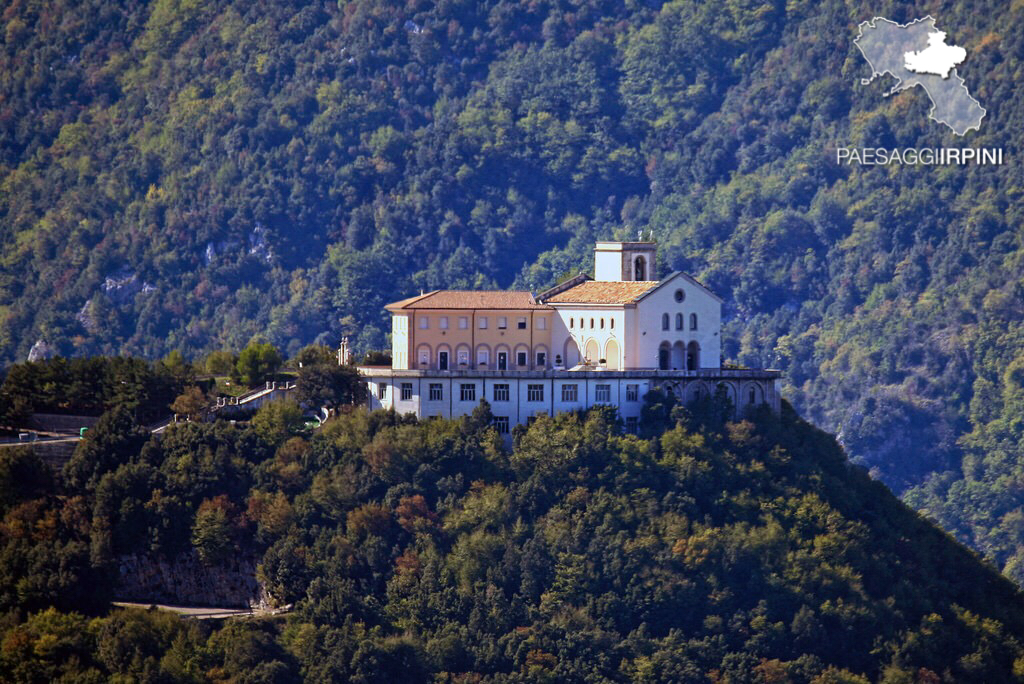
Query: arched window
(640, 269)
(664, 321)
(693, 321)
(611, 323)
(679, 321)
(692, 356)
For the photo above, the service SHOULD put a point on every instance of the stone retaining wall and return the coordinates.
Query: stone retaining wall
(55, 422)
(185, 581)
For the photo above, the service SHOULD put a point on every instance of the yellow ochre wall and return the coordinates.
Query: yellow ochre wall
(408, 338)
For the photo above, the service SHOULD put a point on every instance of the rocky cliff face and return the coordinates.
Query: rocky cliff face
(185, 580)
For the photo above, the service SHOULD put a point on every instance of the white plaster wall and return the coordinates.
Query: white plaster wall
(617, 331)
(531, 408)
(460, 407)
(374, 395)
(649, 334)
(403, 406)
(519, 409)
(428, 408)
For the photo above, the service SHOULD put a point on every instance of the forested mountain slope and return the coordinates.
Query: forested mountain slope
(701, 551)
(185, 175)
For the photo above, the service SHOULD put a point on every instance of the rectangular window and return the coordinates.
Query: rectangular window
(502, 322)
(603, 393)
(482, 323)
(501, 392)
(632, 424)
(521, 324)
(382, 391)
(442, 323)
(483, 358)
(406, 391)
(542, 360)
(542, 323)
(521, 359)
(501, 422)
(632, 392)
(467, 392)
(463, 322)
(436, 391)
(535, 392)
(424, 322)
(570, 393)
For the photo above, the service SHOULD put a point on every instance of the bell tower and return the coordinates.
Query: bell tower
(625, 261)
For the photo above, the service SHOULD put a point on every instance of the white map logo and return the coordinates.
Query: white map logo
(916, 54)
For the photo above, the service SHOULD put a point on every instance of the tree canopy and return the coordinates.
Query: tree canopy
(705, 550)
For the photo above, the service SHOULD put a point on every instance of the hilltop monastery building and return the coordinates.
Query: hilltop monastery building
(605, 340)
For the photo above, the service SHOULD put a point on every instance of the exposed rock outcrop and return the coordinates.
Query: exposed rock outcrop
(185, 580)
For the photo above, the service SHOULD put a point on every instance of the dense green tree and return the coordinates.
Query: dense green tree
(190, 403)
(116, 439)
(23, 477)
(419, 551)
(329, 385)
(257, 362)
(220, 362)
(278, 420)
(315, 355)
(212, 533)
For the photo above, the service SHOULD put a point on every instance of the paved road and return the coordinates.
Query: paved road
(43, 437)
(202, 613)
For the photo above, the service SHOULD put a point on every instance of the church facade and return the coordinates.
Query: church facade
(589, 341)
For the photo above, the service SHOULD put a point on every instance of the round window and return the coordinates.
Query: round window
(680, 295)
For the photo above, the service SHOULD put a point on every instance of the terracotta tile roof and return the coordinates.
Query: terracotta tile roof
(604, 292)
(469, 299)
(402, 303)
